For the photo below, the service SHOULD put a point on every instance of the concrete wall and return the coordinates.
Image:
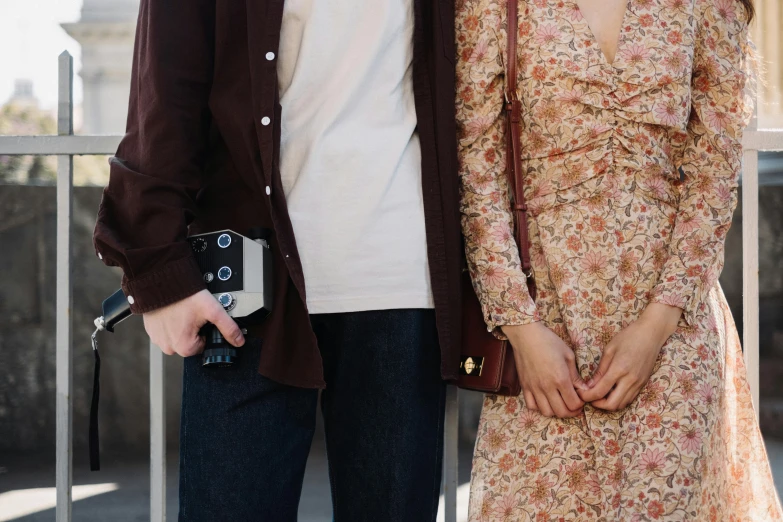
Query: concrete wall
(27, 326)
(27, 344)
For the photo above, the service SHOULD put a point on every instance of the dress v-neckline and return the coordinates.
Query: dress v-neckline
(594, 38)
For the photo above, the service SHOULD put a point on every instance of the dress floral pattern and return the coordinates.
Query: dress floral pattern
(631, 173)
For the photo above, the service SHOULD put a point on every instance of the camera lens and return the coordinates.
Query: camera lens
(224, 240)
(219, 357)
(217, 352)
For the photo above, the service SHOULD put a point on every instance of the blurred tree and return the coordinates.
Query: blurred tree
(25, 120)
(90, 170)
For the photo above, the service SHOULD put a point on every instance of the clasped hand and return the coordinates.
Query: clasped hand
(551, 383)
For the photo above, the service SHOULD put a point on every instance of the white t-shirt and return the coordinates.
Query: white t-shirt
(350, 156)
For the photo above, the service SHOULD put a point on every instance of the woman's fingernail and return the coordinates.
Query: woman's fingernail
(589, 383)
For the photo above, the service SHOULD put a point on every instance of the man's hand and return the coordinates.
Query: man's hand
(629, 359)
(547, 370)
(174, 328)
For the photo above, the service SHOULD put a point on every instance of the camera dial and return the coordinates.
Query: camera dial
(227, 301)
(224, 241)
(199, 244)
(224, 274)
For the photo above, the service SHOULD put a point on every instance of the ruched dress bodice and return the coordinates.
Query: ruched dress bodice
(584, 117)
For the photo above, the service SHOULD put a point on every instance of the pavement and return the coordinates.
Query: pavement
(120, 492)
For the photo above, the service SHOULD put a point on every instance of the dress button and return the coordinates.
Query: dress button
(131, 300)
(265, 121)
(268, 190)
(100, 256)
(270, 56)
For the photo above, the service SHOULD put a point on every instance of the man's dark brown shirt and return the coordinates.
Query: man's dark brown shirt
(201, 154)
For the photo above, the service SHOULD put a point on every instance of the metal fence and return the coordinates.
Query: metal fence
(66, 145)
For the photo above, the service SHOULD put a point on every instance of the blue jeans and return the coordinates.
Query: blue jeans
(245, 439)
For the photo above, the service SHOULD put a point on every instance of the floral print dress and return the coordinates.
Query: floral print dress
(631, 173)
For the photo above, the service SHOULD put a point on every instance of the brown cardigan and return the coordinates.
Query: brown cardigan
(201, 154)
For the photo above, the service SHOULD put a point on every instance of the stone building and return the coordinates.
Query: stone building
(105, 31)
(23, 95)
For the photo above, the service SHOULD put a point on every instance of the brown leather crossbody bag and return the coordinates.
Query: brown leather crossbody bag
(487, 363)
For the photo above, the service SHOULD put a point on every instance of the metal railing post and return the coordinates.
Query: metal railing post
(451, 454)
(157, 435)
(64, 334)
(750, 265)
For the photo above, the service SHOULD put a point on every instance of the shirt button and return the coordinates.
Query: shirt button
(131, 300)
(270, 56)
(265, 121)
(268, 190)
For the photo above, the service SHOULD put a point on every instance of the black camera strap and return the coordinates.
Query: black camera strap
(95, 457)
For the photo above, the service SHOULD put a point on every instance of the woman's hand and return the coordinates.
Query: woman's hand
(547, 370)
(628, 360)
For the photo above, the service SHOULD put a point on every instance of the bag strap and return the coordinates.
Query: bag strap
(513, 110)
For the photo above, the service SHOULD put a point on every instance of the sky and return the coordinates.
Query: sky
(30, 41)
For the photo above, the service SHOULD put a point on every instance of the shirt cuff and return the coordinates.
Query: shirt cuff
(174, 282)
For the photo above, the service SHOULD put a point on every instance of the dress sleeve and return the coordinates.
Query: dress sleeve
(487, 221)
(712, 158)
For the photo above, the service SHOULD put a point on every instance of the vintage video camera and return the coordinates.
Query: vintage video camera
(238, 272)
